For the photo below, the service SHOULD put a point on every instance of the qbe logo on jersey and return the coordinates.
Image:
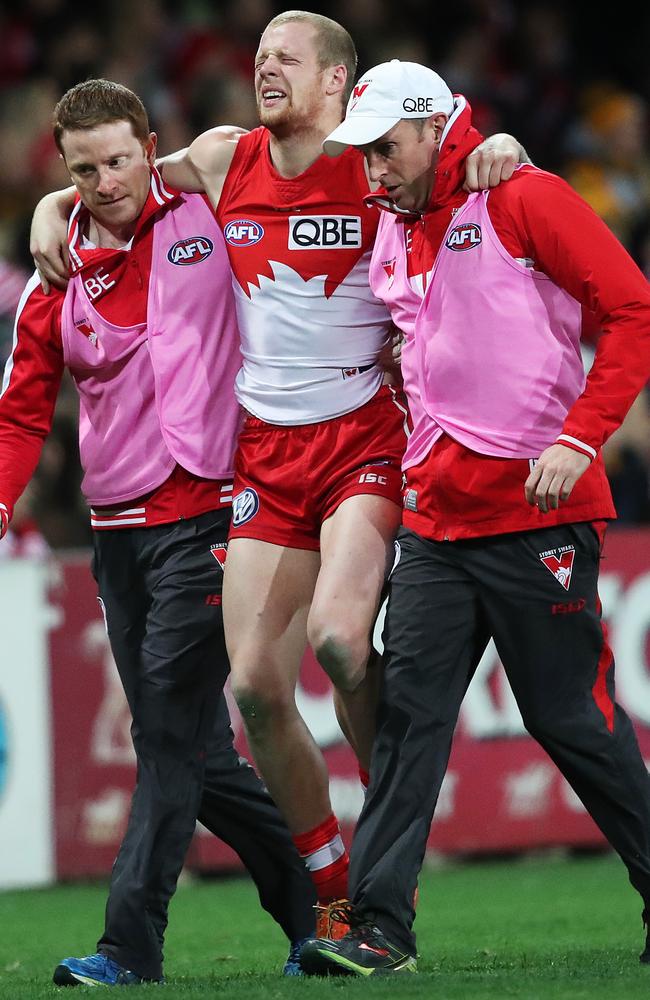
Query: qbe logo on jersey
(244, 507)
(464, 237)
(324, 232)
(190, 251)
(243, 233)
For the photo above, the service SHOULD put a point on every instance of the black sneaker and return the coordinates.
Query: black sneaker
(364, 951)
(645, 954)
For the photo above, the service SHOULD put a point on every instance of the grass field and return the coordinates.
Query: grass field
(528, 928)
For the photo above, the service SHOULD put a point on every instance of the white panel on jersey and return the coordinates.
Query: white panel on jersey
(302, 350)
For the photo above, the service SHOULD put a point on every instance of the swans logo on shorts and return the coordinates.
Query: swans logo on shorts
(559, 562)
(220, 551)
(243, 233)
(190, 251)
(464, 237)
(244, 507)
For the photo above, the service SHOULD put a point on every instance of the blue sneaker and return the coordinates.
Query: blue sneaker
(95, 970)
(292, 966)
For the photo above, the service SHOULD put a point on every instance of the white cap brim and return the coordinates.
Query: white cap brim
(357, 130)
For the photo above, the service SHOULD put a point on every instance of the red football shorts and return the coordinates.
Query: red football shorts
(288, 480)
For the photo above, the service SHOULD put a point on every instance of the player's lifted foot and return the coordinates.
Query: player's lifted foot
(333, 919)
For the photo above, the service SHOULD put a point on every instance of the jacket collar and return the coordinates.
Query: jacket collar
(81, 256)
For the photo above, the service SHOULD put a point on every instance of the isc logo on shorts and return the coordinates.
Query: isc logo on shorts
(243, 233)
(318, 232)
(244, 506)
(190, 251)
(464, 237)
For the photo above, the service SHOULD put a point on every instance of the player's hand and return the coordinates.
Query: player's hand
(557, 471)
(493, 161)
(391, 356)
(48, 243)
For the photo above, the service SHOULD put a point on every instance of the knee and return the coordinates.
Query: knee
(261, 706)
(342, 653)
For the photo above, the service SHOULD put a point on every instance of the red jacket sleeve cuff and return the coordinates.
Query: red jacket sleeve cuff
(576, 445)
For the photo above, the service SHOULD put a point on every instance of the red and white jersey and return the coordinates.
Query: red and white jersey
(311, 329)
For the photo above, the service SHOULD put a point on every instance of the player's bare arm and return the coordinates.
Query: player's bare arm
(203, 165)
(48, 242)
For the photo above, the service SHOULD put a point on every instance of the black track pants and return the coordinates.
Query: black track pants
(161, 590)
(446, 600)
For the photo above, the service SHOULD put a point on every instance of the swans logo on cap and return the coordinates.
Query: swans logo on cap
(190, 251)
(357, 94)
(464, 237)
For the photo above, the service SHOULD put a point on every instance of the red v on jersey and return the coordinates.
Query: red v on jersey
(316, 223)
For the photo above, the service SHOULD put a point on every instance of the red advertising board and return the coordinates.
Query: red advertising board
(501, 791)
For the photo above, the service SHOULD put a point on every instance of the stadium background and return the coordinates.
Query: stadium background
(576, 91)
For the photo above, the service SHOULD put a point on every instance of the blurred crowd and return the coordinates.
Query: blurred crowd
(574, 89)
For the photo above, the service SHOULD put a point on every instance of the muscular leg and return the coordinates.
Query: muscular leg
(266, 598)
(356, 552)
(237, 808)
(356, 710)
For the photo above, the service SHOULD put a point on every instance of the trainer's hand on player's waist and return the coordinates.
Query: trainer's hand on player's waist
(48, 243)
(493, 161)
(557, 471)
(390, 358)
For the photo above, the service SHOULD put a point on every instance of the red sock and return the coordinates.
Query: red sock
(326, 858)
(364, 777)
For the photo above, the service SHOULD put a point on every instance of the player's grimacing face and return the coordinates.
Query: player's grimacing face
(111, 170)
(288, 77)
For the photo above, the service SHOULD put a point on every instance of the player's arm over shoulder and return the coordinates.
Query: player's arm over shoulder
(203, 165)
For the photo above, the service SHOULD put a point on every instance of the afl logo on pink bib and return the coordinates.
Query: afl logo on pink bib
(464, 237)
(190, 251)
(243, 233)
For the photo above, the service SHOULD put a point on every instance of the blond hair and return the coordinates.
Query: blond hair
(334, 45)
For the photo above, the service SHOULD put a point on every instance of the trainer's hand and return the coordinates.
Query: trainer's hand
(391, 356)
(492, 162)
(48, 243)
(557, 471)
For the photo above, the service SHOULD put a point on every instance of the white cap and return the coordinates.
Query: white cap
(382, 97)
